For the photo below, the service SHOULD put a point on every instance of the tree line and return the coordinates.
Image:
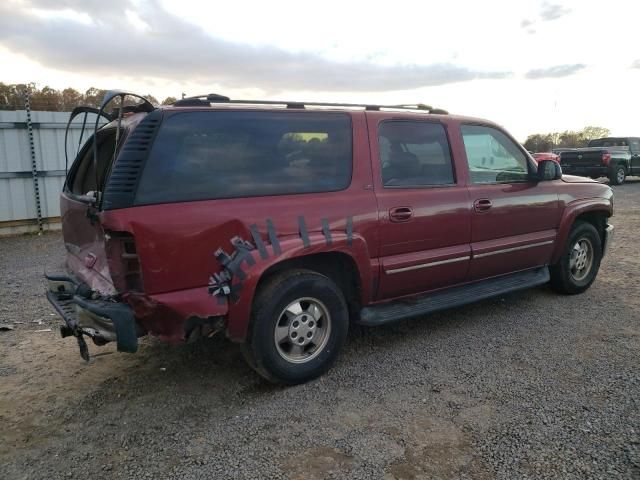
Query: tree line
(545, 142)
(52, 100)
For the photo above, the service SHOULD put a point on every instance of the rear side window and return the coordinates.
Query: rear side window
(211, 155)
(414, 154)
(492, 156)
(82, 175)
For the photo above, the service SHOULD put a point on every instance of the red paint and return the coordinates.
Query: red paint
(175, 242)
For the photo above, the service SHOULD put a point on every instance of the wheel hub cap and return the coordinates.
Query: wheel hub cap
(302, 329)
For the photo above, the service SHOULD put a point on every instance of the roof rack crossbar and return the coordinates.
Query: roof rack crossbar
(215, 98)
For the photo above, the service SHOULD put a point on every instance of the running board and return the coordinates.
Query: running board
(451, 297)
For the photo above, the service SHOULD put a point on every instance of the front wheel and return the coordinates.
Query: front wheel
(618, 175)
(299, 324)
(579, 264)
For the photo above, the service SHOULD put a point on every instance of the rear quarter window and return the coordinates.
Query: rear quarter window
(82, 177)
(227, 154)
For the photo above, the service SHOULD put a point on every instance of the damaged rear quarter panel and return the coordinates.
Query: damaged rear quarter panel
(176, 242)
(176, 245)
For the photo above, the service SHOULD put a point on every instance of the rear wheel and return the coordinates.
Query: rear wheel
(299, 324)
(580, 262)
(618, 175)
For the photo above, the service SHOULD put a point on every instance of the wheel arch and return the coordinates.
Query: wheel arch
(338, 266)
(346, 263)
(593, 211)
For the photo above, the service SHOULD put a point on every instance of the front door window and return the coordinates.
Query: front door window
(492, 156)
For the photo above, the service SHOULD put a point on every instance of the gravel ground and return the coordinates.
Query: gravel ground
(531, 385)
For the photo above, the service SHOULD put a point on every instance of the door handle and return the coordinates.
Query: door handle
(482, 205)
(400, 214)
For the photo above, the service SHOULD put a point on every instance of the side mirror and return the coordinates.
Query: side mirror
(549, 170)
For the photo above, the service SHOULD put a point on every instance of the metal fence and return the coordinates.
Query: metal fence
(32, 167)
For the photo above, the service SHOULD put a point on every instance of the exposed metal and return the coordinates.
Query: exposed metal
(78, 111)
(87, 314)
(34, 165)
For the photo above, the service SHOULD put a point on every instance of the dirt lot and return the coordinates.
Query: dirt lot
(532, 385)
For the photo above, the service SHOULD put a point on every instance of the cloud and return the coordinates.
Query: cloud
(173, 49)
(548, 13)
(552, 11)
(556, 71)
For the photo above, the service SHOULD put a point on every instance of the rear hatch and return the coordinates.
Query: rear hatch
(80, 201)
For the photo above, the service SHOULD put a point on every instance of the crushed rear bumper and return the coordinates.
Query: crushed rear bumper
(102, 320)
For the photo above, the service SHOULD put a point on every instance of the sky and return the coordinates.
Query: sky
(532, 66)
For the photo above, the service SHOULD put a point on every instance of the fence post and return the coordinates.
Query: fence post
(34, 165)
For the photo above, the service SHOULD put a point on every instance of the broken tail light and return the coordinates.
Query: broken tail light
(606, 159)
(124, 263)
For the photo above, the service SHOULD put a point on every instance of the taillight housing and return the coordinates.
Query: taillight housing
(124, 263)
(606, 158)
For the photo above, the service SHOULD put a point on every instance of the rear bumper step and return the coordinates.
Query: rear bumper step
(103, 321)
(452, 297)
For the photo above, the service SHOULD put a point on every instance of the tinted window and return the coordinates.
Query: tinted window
(208, 155)
(414, 154)
(492, 156)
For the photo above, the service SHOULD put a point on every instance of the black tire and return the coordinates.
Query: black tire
(563, 278)
(267, 356)
(618, 175)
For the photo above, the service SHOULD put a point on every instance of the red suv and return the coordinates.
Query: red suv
(280, 223)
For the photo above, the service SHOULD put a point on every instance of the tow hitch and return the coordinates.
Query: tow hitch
(102, 320)
(67, 331)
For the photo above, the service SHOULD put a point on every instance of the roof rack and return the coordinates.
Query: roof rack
(207, 100)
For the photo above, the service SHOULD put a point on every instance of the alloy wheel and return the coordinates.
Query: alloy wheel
(581, 259)
(302, 330)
